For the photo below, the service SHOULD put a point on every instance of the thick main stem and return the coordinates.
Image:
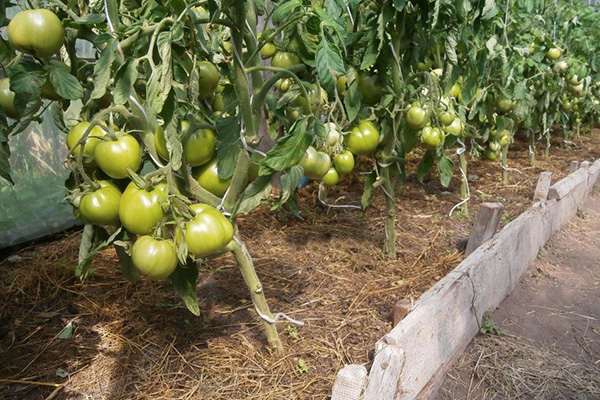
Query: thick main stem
(244, 261)
(464, 192)
(390, 213)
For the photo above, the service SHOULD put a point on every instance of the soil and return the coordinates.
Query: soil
(137, 341)
(554, 309)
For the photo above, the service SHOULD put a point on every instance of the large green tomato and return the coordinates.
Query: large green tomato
(370, 89)
(114, 156)
(208, 232)
(554, 53)
(142, 210)
(363, 139)
(208, 177)
(268, 50)
(7, 98)
(155, 258)
(101, 207)
(455, 128)
(504, 104)
(446, 117)
(344, 162)
(38, 32)
(200, 147)
(208, 76)
(432, 137)
(315, 163)
(331, 178)
(491, 155)
(48, 91)
(160, 143)
(284, 59)
(416, 117)
(91, 142)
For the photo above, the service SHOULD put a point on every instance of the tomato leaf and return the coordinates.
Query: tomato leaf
(228, 145)
(489, 10)
(368, 191)
(93, 240)
(4, 156)
(284, 10)
(425, 165)
(65, 84)
(124, 80)
(90, 19)
(446, 170)
(102, 68)
(329, 64)
(352, 100)
(255, 194)
(184, 280)
(127, 268)
(289, 184)
(288, 150)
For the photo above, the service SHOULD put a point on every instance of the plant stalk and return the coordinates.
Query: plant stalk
(464, 193)
(504, 164)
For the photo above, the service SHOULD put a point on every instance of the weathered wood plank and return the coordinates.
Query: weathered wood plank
(401, 309)
(384, 378)
(543, 185)
(350, 383)
(573, 166)
(563, 187)
(485, 225)
(585, 165)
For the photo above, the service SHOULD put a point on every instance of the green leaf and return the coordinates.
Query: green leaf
(228, 145)
(446, 170)
(425, 165)
(102, 68)
(368, 192)
(65, 84)
(26, 82)
(124, 80)
(90, 19)
(329, 64)
(67, 331)
(284, 10)
(352, 101)
(489, 10)
(129, 271)
(61, 373)
(184, 280)
(5, 156)
(112, 9)
(255, 194)
(289, 184)
(288, 150)
(91, 243)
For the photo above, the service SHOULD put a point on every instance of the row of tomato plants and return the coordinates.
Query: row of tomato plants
(193, 111)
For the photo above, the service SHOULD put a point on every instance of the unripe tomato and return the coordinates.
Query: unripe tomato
(331, 178)
(208, 76)
(456, 91)
(283, 85)
(268, 50)
(574, 81)
(423, 66)
(446, 117)
(200, 147)
(38, 32)
(114, 156)
(504, 104)
(495, 146)
(48, 91)
(91, 142)
(432, 137)
(208, 177)
(154, 258)
(554, 53)
(491, 155)
(341, 84)
(576, 90)
(416, 117)
(561, 66)
(333, 134)
(142, 210)
(218, 104)
(315, 163)
(208, 232)
(504, 140)
(455, 128)
(363, 138)
(370, 89)
(7, 98)
(101, 207)
(315, 100)
(285, 60)
(344, 162)
(160, 143)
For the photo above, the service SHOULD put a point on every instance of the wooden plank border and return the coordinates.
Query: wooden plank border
(445, 318)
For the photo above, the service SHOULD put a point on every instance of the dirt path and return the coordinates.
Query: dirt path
(550, 348)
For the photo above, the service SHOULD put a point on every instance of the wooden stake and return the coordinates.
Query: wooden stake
(543, 185)
(585, 165)
(350, 383)
(485, 225)
(573, 166)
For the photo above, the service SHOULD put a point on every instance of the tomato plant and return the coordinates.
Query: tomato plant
(38, 32)
(7, 98)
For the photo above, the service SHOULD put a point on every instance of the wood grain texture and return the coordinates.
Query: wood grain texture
(350, 383)
(543, 186)
(485, 225)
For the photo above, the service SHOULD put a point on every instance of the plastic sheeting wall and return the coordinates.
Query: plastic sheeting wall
(34, 206)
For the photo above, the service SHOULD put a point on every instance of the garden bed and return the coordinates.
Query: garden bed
(138, 340)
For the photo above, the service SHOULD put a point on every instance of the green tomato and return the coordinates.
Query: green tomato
(344, 162)
(142, 210)
(208, 177)
(370, 89)
(456, 91)
(455, 128)
(491, 155)
(38, 32)
(315, 100)
(432, 137)
(333, 134)
(341, 82)
(268, 50)
(200, 147)
(561, 66)
(504, 140)
(504, 104)
(48, 91)
(160, 143)
(7, 98)
(416, 117)
(283, 85)
(285, 60)
(363, 138)
(101, 207)
(495, 146)
(208, 232)
(446, 117)
(154, 258)
(115, 156)
(91, 142)
(208, 76)
(331, 178)
(315, 163)
(424, 65)
(554, 53)
(576, 90)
